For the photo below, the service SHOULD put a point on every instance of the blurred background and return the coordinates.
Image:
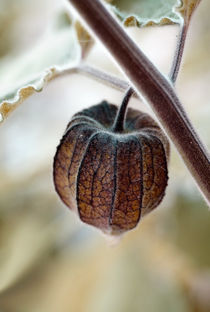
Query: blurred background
(49, 260)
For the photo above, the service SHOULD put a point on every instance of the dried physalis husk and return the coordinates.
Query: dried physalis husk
(111, 178)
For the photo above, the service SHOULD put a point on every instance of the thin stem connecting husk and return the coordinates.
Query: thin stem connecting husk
(121, 114)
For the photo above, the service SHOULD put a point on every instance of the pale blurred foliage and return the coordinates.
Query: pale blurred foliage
(49, 261)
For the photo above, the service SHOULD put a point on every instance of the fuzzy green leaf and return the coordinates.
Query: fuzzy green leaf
(21, 75)
(143, 13)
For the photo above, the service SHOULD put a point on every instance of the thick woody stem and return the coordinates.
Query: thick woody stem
(152, 85)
